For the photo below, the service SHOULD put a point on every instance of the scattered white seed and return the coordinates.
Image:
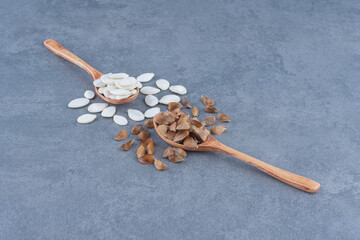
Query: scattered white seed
(179, 89)
(145, 77)
(150, 113)
(149, 90)
(135, 115)
(109, 111)
(163, 84)
(169, 98)
(120, 120)
(89, 94)
(151, 100)
(99, 83)
(97, 107)
(86, 118)
(78, 103)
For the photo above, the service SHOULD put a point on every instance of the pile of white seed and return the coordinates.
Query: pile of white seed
(121, 85)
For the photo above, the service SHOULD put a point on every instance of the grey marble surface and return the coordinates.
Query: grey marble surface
(286, 72)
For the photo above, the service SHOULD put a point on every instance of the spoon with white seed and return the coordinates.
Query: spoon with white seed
(58, 49)
(213, 145)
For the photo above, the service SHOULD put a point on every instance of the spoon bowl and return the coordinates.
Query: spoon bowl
(59, 50)
(211, 144)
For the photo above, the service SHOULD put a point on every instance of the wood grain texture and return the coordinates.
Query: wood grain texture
(212, 145)
(59, 50)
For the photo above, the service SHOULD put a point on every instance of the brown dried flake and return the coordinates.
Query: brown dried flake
(195, 111)
(208, 121)
(170, 135)
(186, 103)
(207, 101)
(201, 134)
(211, 109)
(163, 129)
(173, 127)
(159, 165)
(150, 149)
(174, 105)
(179, 151)
(195, 122)
(223, 118)
(168, 152)
(149, 123)
(190, 142)
(181, 135)
(121, 135)
(128, 145)
(140, 152)
(143, 135)
(137, 129)
(159, 118)
(146, 142)
(176, 158)
(147, 159)
(183, 124)
(169, 117)
(220, 129)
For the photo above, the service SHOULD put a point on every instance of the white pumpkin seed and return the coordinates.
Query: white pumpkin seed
(151, 100)
(149, 90)
(145, 77)
(78, 103)
(139, 85)
(101, 90)
(120, 120)
(111, 87)
(169, 98)
(122, 97)
(86, 118)
(97, 107)
(89, 94)
(112, 96)
(120, 92)
(134, 91)
(179, 89)
(99, 83)
(135, 115)
(118, 75)
(163, 84)
(126, 82)
(150, 113)
(109, 111)
(107, 93)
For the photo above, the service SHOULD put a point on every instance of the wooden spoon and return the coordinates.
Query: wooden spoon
(213, 145)
(56, 47)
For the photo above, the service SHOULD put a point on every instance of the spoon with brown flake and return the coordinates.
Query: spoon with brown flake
(212, 145)
(58, 49)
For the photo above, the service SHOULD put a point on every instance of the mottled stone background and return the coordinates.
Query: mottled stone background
(286, 72)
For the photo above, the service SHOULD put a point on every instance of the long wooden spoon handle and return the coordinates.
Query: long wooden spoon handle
(56, 47)
(292, 179)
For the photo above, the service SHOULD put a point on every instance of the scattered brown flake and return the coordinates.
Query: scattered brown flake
(175, 158)
(168, 152)
(179, 151)
(137, 129)
(207, 101)
(211, 109)
(150, 149)
(208, 121)
(218, 129)
(149, 123)
(140, 152)
(128, 145)
(195, 111)
(186, 103)
(121, 135)
(174, 105)
(143, 135)
(159, 165)
(223, 118)
(147, 159)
